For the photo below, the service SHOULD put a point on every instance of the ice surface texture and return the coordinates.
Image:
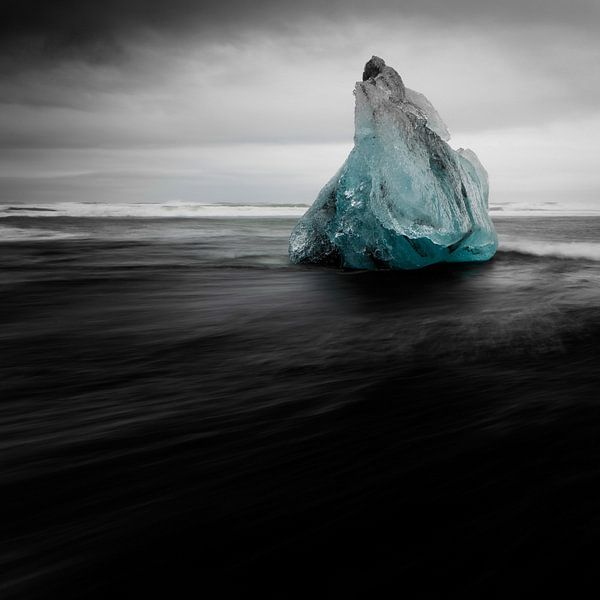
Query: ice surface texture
(404, 198)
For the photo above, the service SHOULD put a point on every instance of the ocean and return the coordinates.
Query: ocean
(183, 412)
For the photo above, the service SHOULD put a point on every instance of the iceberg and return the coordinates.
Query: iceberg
(404, 199)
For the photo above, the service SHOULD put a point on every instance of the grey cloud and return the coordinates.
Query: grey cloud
(99, 31)
(173, 75)
(482, 65)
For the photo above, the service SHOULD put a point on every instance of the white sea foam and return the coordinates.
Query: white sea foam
(182, 210)
(542, 209)
(20, 232)
(579, 250)
(143, 210)
(27, 234)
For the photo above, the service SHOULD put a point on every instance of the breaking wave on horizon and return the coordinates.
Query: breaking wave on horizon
(184, 210)
(570, 237)
(178, 210)
(567, 250)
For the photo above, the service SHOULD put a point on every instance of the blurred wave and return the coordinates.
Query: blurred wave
(173, 209)
(182, 409)
(190, 210)
(26, 234)
(583, 250)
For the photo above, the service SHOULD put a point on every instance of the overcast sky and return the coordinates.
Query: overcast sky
(251, 102)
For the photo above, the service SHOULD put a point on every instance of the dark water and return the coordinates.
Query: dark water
(184, 413)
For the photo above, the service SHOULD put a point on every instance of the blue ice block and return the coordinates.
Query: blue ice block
(404, 199)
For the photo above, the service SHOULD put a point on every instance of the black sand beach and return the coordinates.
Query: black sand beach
(184, 410)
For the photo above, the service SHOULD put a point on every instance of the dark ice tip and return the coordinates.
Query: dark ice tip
(373, 68)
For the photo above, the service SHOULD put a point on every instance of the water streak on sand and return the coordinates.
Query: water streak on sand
(182, 410)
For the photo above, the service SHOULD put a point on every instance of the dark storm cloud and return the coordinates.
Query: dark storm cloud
(149, 100)
(98, 31)
(516, 77)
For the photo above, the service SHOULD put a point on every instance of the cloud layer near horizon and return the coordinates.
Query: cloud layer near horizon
(152, 75)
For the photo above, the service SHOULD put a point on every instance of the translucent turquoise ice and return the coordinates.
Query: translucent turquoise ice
(404, 198)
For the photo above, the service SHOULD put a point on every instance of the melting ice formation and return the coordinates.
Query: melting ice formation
(404, 198)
